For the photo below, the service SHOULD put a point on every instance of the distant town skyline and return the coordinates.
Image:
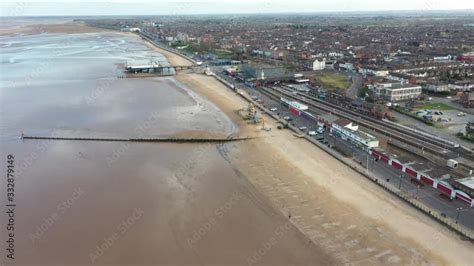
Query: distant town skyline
(169, 7)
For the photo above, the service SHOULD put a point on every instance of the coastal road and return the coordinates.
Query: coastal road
(398, 179)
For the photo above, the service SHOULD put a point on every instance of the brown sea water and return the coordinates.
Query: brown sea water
(81, 202)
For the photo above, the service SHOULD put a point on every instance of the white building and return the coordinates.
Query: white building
(437, 87)
(183, 37)
(319, 64)
(134, 29)
(443, 58)
(346, 130)
(335, 55)
(395, 92)
(347, 66)
(461, 86)
(376, 72)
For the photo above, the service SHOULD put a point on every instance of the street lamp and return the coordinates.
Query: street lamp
(457, 216)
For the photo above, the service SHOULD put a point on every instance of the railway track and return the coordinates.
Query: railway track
(439, 147)
(416, 134)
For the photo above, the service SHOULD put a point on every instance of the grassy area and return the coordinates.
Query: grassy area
(435, 106)
(333, 81)
(469, 138)
(223, 54)
(193, 48)
(188, 47)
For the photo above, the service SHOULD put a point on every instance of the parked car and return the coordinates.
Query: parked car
(312, 133)
(303, 128)
(287, 118)
(274, 109)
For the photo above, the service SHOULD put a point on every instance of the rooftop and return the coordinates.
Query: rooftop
(363, 135)
(329, 117)
(403, 86)
(342, 122)
(468, 182)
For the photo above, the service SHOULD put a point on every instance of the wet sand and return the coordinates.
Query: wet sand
(51, 28)
(188, 207)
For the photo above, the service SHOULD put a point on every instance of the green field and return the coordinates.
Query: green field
(434, 106)
(333, 81)
(223, 54)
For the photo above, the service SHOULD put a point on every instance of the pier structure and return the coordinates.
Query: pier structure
(152, 67)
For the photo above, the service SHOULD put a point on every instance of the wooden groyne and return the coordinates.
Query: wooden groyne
(162, 140)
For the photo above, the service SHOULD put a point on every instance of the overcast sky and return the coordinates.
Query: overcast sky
(170, 7)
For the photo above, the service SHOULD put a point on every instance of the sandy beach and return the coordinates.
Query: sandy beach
(172, 58)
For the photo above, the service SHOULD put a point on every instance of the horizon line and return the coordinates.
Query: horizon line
(261, 13)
